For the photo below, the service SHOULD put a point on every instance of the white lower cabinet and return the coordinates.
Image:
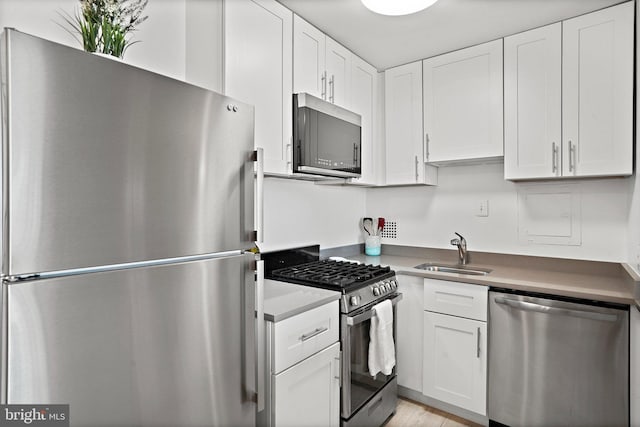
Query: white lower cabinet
(303, 369)
(455, 344)
(409, 333)
(634, 357)
(308, 393)
(455, 361)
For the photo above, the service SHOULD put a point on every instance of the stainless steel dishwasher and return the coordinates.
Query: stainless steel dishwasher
(557, 362)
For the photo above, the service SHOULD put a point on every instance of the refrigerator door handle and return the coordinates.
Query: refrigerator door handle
(260, 334)
(259, 156)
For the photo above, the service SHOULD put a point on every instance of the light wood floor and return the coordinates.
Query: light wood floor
(410, 413)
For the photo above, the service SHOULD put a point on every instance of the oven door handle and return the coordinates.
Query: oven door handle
(354, 320)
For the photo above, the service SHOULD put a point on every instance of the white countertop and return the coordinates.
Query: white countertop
(283, 300)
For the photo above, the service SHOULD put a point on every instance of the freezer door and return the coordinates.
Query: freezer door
(107, 163)
(162, 346)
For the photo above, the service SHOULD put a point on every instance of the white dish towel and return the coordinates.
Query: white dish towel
(382, 351)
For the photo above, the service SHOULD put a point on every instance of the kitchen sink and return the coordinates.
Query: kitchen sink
(459, 269)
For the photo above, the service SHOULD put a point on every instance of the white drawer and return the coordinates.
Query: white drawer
(298, 337)
(457, 299)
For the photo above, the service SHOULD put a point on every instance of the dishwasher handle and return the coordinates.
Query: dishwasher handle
(540, 308)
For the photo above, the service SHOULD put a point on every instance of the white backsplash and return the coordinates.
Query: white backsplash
(428, 216)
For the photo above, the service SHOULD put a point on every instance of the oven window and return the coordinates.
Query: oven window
(363, 385)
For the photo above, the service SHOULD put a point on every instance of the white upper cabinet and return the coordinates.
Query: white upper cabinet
(569, 97)
(321, 66)
(403, 127)
(338, 67)
(597, 85)
(364, 81)
(463, 104)
(258, 71)
(532, 103)
(309, 59)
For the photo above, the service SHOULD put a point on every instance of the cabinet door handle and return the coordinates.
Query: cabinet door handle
(478, 344)
(332, 89)
(417, 176)
(339, 369)
(554, 158)
(312, 334)
(323, 84)
(572, 153)
(426, 147)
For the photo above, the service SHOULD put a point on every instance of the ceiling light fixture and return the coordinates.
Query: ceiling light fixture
(397, 7)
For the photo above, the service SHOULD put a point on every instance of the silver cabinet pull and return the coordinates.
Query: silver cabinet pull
(332, 89)
(426, 147)
(312, 334)
(572, 152)
(478, 344)
(323, 84)
(417, 175)
(554, 158)
(339, 365)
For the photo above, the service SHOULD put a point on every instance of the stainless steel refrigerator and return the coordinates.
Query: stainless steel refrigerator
(129, 289)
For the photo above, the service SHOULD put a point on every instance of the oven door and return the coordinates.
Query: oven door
(358, 386)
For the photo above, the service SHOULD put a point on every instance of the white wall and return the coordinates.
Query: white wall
(428, 216)
(299, 213)
(162, 36)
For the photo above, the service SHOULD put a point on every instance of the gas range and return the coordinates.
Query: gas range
(365, 399)
(360, 284)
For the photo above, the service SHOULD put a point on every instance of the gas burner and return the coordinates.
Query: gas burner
(331, 274)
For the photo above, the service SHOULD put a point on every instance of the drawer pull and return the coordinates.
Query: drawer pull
(310, 335)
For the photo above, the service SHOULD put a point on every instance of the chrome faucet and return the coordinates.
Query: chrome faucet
(461, 243)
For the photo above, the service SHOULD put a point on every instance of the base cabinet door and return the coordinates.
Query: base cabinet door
(308, 393)
(409, 333)
(455, 361)
(635, 366)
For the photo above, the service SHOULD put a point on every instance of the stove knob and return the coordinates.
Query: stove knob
(388, 287)
(394, 284)
(354, 300)
(376, 291)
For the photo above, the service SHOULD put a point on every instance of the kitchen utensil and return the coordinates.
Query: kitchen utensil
(380, 225)
(367, 225)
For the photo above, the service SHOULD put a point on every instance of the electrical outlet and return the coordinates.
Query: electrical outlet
(482, 208)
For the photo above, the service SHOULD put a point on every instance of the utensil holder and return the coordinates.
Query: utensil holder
(372, 246)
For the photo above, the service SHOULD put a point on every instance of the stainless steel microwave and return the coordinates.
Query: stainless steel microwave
(327, 138)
